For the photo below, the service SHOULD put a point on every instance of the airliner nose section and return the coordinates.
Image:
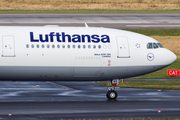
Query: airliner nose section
(171, 57)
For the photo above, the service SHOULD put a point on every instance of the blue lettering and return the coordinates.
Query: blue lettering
(51, 36)
(57, 36)
(63, 37)
(105, 39)
(41, 38)
(95, 38)
(88, 38)
(32, 38)
(76, 38)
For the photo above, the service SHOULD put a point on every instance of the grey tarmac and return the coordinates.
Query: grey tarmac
(108, 20)
(83, 100)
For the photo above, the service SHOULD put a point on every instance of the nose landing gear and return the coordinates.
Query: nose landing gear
(112, 94)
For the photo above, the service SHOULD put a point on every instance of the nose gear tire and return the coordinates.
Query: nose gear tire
(111, 95)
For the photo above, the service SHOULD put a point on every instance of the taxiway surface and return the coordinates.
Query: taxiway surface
(108, 20)
(79, 100)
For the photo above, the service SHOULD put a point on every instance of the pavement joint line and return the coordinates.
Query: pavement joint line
(60, 85)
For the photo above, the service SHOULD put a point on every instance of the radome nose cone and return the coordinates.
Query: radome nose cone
(171, 57)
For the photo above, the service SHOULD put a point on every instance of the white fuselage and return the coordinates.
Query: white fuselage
(77, 53)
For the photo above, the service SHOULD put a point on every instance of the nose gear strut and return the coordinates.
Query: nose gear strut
(112, 94)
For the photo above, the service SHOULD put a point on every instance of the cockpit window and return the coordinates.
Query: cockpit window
(149, 46)
(160, 45)
(155, 45)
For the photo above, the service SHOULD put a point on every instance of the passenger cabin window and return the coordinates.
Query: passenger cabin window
(109, 46)
(84, 46)
(155, 45)
(94, 46)
(68, 46)
(149, 46)
(37, 46)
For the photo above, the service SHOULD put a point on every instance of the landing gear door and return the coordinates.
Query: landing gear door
(122, 47)
(8, 47)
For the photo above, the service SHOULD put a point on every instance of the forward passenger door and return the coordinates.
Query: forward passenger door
(8, 46)
(122, 47)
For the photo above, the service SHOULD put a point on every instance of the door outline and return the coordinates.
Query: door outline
(8, 44)
(122, 42)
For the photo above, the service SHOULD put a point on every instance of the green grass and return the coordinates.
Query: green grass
(157, 32)
(174, 85)
(89, 11)
(161, 73)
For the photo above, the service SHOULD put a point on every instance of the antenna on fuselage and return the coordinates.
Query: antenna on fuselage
(86, 25)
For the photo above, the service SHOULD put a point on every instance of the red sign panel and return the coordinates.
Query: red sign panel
(173, 72)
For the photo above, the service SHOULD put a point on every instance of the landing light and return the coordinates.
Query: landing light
(9, 114)
(159, 90)
(159, 111)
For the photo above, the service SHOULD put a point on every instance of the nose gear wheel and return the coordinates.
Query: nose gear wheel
(111, 95)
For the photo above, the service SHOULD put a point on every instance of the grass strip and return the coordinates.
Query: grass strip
(157, 32)
(89, 11)
(174, 85)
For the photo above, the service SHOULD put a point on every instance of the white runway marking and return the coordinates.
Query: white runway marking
(60, 85)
